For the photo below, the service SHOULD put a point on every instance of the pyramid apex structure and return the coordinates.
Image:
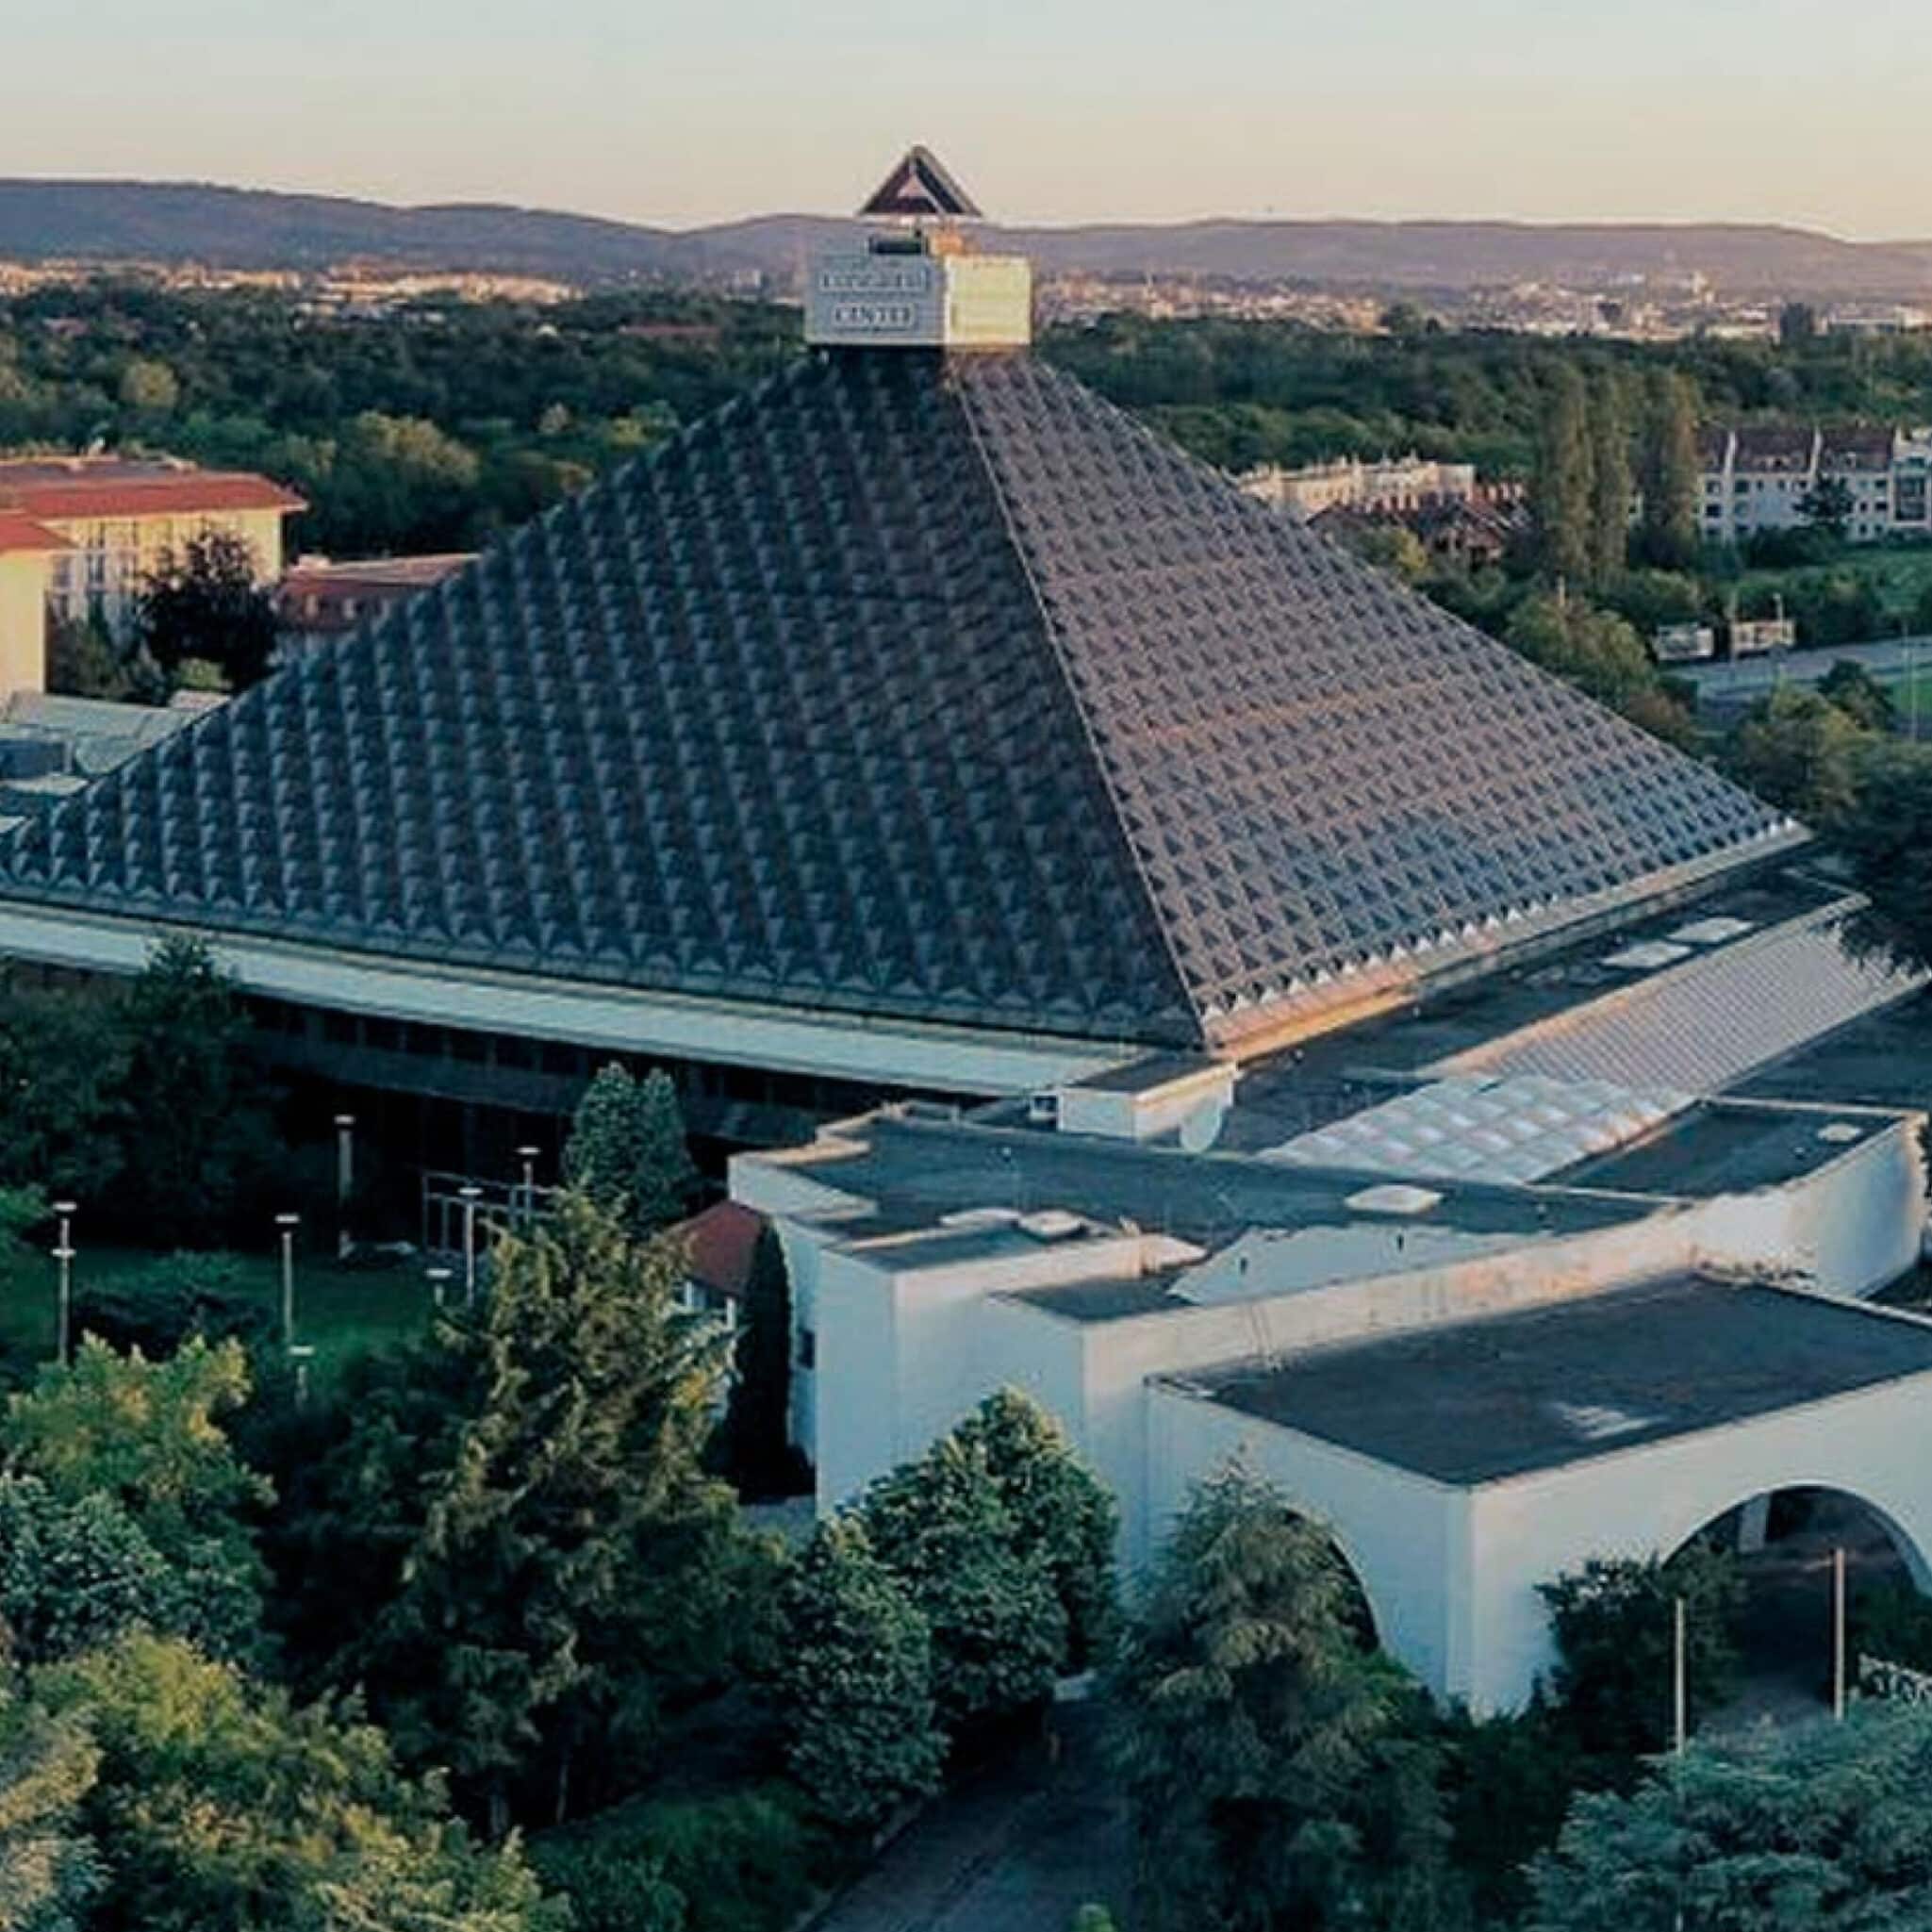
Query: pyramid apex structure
(919, 189)
(919, 290)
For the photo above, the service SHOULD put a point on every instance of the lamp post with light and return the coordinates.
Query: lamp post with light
(287, 1224)
(345, 1180)
(528, 1156)
(470, 1195)
(63, 1253)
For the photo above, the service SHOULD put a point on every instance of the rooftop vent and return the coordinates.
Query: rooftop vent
(1712, 932)
(1647, 955)
(980, 1217)
(1597, 1423)
(1394, 1198)
(1051, 1224)
(1839, 1131)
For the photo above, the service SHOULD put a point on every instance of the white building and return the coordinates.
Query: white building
(1393, 483)
(1527, 1302)
(1761, 479)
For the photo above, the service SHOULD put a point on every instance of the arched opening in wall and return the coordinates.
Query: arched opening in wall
(1784, 1544)
(1357, 1612)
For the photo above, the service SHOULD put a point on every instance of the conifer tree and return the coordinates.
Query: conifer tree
(1671, 470)
(1611, 485)
(855, 1683)
(1275, 1770)
(627, 1148)
(758, 1425)
(1562, 490)
(574, 1559)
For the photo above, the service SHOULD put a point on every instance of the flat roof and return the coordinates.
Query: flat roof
(1736, 1003)
(1882, 1058)
(911, 1168)
(1148, 1072)
(1720, 1147)
(1483, 1400)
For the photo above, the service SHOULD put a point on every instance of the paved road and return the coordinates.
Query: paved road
(1738, 681)
(1019, 1850)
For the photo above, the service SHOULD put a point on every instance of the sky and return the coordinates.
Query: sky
(683, 112)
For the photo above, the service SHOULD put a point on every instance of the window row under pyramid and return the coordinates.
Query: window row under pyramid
(927, 693)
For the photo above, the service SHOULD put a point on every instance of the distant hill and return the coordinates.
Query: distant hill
(118, 221)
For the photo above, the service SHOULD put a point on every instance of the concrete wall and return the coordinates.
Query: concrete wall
(1407, 1538)
(23, 622)
(1874, 1444)
(1452, 1574)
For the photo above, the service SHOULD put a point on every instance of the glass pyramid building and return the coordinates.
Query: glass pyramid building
(919, 685)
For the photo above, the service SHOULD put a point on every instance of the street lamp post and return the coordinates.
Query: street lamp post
(287, 1224)
(345, 1180)
(64, 1255)
(302, 1354)
(469, 1196)
(528, 1156)
(438, 1280)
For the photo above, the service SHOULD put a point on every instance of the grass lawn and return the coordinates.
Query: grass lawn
(1899, 575)
(339, 1310)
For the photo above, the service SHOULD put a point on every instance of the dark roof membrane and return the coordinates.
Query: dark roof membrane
(908, 686)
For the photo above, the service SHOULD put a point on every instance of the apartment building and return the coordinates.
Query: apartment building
(1393, 483)
(119, 514)
(1764, 478)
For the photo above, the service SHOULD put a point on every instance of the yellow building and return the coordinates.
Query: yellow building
(113, 519)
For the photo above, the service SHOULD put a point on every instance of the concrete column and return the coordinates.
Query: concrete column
(1754, 1522)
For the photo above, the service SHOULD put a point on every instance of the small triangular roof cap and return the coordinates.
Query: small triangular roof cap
(919, 185)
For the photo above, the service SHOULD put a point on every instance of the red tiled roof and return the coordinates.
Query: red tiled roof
(309, 574)
(146, 496)
(19, 532)
(723, 1241)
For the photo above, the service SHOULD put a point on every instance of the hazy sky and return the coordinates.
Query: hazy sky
(682, 111)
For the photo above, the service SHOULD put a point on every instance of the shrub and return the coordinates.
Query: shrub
(186, 1295)
(738, 1863)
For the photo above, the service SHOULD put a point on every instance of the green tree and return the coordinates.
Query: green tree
(194, 1123)
(1614, 1625)
(205, 602)
(1610, 482)
(84, 661)
(1855, 692)
(855, 1681)
(1828, 505)
(1390, 547)
(1061, 1513)
(76, 1573)
(999, 1632)
(1274, 1768)
(574, 1562)
(758, 1422)
(1798, 751)
(1592, 649)
(1887, 835)
(221, 1808)
(627, 1150)
(49, 1873)
(63, 1064)
(1670, 473)
(1807, 1827)
(148, 388)
(148, 1436)
(1563, 481)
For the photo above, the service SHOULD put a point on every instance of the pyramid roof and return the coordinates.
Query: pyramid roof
(910, 686)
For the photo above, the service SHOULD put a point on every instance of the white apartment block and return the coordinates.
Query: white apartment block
(1761, 479)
